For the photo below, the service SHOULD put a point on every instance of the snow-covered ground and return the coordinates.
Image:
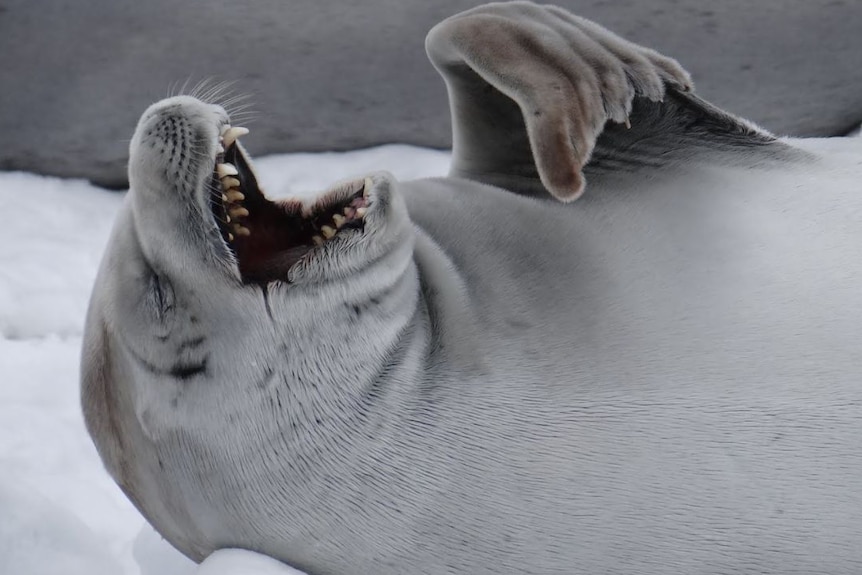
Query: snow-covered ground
(60, 513)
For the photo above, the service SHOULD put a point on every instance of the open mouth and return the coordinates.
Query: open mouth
(268, 237)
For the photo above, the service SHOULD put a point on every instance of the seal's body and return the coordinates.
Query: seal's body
(462, 375)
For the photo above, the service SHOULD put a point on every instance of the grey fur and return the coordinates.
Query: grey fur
(662, 377)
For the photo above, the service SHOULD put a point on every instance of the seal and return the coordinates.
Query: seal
(474, 374)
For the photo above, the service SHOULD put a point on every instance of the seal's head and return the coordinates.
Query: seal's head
(223, 322)
(195, 195)
(199, 251)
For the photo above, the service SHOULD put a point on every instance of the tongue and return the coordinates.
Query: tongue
(275, 267)
(278, 238)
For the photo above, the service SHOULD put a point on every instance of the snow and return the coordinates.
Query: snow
(236, 561)
(60, 513)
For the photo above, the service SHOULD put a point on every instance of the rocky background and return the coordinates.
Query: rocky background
(334, 75)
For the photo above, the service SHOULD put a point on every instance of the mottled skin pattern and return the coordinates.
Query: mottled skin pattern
(660, 378)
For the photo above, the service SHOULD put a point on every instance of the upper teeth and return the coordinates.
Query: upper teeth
(230, 134)
(234, 196)
(230, 184)
(224, 170)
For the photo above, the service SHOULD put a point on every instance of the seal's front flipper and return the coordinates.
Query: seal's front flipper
(532, 87)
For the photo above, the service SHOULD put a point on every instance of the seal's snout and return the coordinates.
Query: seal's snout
(174, 144)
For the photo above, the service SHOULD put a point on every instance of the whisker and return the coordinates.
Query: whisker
(236, 99)
(204, 87)
(239, 107)
(218, 91)
(227, 92)
(185, 84)
(196, 88)
(246, 121)
(240, 110)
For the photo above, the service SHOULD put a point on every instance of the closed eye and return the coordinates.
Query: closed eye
(160, 297)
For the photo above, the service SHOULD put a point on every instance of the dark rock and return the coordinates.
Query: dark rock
(329, 75)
